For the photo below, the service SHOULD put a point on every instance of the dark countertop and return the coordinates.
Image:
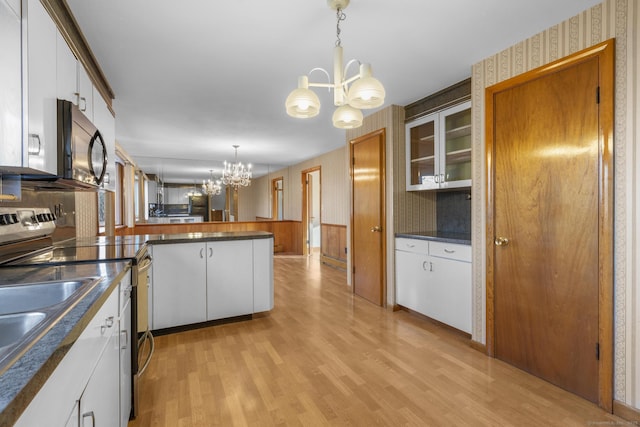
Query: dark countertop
(439, 236)
(156, 239)
(22, 380)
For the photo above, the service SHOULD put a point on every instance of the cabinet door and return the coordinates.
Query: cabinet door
(125, 363)
(421, 148)
(66, 71)
(85, 92)
(41, 46)
(411, 272)
(455, 155)
(10, 84)
(229, 279)
(179, 284)
(100, 401)
(262, 275)
(449, 293)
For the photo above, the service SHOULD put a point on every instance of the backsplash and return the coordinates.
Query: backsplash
(453, 211)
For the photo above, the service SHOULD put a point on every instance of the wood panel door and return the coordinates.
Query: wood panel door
(367, 238)
(548, 203)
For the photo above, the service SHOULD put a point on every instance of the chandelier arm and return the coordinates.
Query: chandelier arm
(346, 68)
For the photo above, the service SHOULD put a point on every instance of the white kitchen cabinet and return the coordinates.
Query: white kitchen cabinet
(434, 278)
(66, 71)
(438, 149)
(196, 282)
(41, 144)
(262, 275)
(100, 401)
(56, 402)
(229, 279)
(73, 82)
(125, 342)
(179, 284)
(411, 275)
(10, 84)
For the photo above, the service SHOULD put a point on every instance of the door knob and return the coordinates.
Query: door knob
(376, 228)
(501, 241)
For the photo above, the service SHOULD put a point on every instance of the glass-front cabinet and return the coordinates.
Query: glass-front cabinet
(439, 149)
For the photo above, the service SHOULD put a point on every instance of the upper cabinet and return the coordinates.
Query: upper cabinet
(438, 148)
(41, 87)
(10, 87)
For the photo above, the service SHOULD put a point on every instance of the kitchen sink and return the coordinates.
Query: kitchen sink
(28, 310)
(15, 326)
(35, 296)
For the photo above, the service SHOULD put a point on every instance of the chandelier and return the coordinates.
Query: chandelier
(236, 174)
(211, 187)
(365, 91)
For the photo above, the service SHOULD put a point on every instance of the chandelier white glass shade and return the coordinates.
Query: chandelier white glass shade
(211, 187)
(236, 174)
(350, 94)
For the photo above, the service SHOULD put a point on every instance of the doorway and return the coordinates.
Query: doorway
(311, 211)
(550, 222)
(277, 199)
(368, 243)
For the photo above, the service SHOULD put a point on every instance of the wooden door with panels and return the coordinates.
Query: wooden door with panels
(368, 243)
(549, 222)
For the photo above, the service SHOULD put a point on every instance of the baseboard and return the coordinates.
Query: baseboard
(627, 412)
(482, 348)
(342, 265)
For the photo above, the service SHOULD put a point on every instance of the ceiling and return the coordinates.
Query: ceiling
(193, 78)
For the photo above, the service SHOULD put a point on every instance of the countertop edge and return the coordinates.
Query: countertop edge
(163, 239)
(444, 239)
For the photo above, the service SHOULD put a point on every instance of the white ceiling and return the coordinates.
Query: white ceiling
(193, 78)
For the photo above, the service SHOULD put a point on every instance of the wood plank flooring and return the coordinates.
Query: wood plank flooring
(326, 357)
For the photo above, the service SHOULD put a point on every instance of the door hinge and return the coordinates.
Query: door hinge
(353, 160)
(597, 351)
(598, 95)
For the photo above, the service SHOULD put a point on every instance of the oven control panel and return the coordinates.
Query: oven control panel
(18, 224)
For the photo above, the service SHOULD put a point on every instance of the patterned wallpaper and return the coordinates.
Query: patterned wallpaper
(612, 18)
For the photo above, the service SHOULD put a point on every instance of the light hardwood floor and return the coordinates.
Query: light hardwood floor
(326, 357)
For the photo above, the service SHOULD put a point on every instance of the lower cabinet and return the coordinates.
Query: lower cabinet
(197, 282)
(229, 279)
(434, 279)
(179, 284)
(85, 388)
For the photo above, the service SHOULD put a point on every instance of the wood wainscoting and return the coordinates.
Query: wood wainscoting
(287, 235)
(334, 245)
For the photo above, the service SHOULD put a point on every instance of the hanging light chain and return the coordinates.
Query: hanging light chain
(340, 16)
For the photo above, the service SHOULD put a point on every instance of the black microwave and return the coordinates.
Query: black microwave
(82, 153)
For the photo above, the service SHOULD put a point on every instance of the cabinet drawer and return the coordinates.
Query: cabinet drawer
(412, 245)
(450, 250)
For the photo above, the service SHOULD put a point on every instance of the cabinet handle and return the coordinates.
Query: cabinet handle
(210, 252)
(430, 266)
(87, 415)
(201, 249)
(34, 144)
(411, 246)
(450, 251)
(442, 177)
(83, 109)
(424, 265)
(108, 323)
(126, 339)
(436, 178)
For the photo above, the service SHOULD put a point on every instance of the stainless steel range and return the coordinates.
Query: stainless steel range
(25, 240)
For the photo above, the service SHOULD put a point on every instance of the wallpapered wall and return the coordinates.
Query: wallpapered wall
(612, 18)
